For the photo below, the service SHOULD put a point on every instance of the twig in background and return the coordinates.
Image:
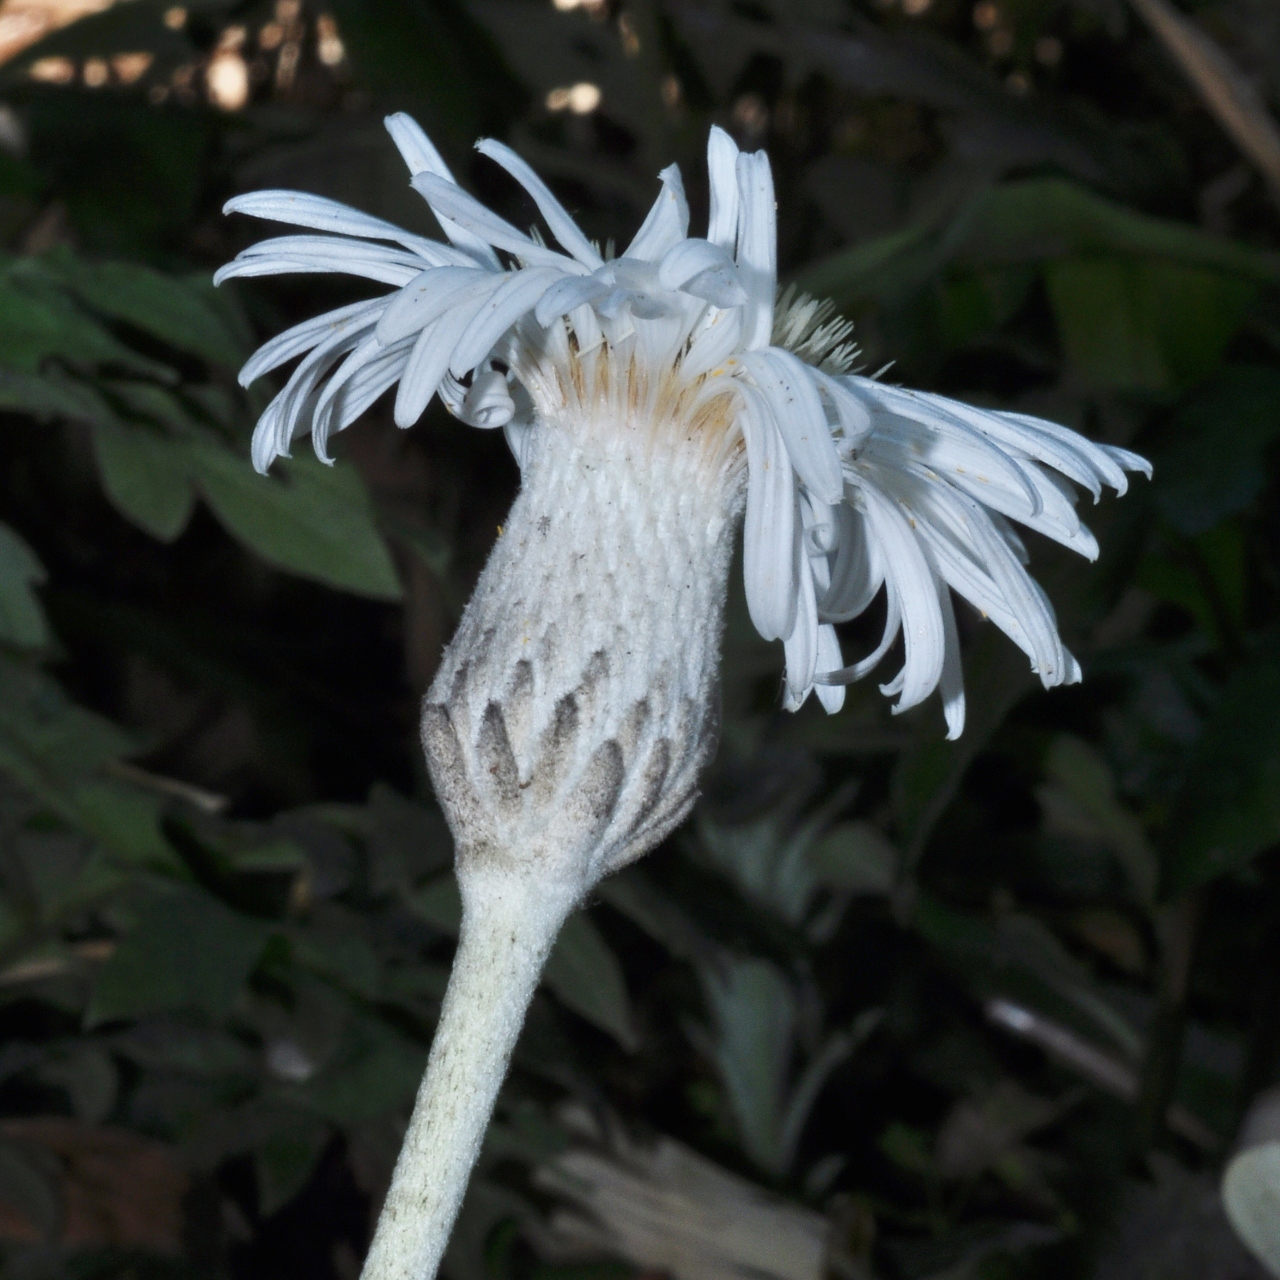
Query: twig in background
(1223, 87)
(1095, 1065)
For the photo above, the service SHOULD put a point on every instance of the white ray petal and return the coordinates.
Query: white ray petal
(302, 337)
(793, 400)
(586, 329)
(951, 682)
(488, 401)
(757, 247)
(851, 411)
(428, 296)
(856, 569)
(667, 222)
(302, 210)
(892, 625)
(905, 563)
(516, 295)
(287, 415)
(712, 345)
(935, 434)
(368, 350)
(421, 156)
(264, 448)
(1129, 461)
(285, 255)
(722, 169)
(562, 225)
(770, 529)
(444, 197)
(1065, 451)
(1105, 466)
(829, 659)
(801, 646)
(691, 258)
(429, 361)
(570, 293)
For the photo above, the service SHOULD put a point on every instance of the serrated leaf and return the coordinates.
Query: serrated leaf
(22, 620)
(186, 950)
(311, 520)
(145, 475)
(585, 975)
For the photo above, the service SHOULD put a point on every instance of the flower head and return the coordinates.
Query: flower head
(852, 484)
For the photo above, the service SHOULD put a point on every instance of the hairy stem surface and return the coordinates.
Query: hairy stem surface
(509, 922)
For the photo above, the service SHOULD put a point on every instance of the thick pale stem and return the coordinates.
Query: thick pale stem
(510, 920)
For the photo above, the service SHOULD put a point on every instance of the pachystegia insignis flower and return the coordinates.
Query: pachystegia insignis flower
(653, 400)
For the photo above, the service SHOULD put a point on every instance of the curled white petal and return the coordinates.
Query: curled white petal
(488, 402)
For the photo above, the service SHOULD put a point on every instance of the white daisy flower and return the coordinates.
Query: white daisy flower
(853, 485)
(653, 400)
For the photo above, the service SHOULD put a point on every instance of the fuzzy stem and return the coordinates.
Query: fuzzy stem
(509, 921)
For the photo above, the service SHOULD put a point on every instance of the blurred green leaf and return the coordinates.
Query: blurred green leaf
(146, 477)
(50, 396)
(186, 950)
(312, 520)
(46, 740)
(1228, 809)
(40, 322)
(285, 1160)
(927, 776)
(857, 858)
(378, 1072)
(1212, 460)
(22, 620)
(1145, 323)
(126, 822)
(585, 975)
(1039, 220)
(1082, 802)
(28, 1185)
(88, 1074)
(1017, 955)
(178, 312)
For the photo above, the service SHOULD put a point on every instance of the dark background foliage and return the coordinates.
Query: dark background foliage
(986, 1009)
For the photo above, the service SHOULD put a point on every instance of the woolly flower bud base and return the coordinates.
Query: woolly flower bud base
(565, 733)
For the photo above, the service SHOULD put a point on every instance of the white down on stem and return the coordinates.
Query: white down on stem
(655, 402)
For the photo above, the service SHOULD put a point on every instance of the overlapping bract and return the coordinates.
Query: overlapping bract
(853, 485)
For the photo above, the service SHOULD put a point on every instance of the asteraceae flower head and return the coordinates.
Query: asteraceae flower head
(853, 485)
(653, 400)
